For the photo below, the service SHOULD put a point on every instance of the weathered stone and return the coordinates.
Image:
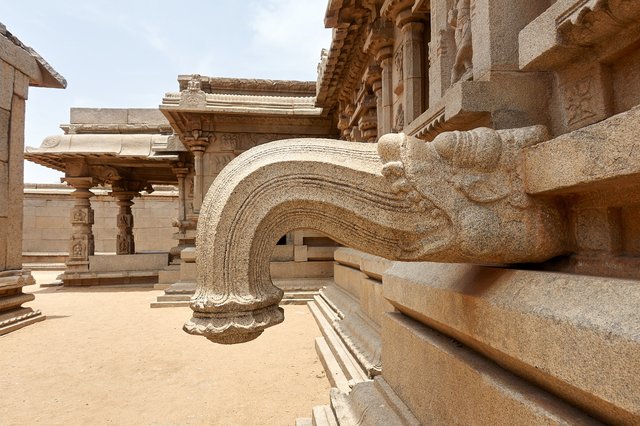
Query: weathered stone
(448, 383)
(566, 347)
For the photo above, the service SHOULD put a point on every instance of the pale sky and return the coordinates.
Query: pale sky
(128, 53)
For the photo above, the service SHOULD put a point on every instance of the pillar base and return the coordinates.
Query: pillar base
(13, 315)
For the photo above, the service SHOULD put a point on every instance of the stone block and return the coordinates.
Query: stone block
(188, 272)
(300, 253)
(60, 234)
(5, 120)
(146, 116)
(3, 243)
(52, 223)
(348, 256)
(444, 382)
(301, 269)
(348, 279)
(372, 300)
(585, 159)
(20, 85)
(282, 253)
(98, 116)
(4, 189)
(320, 253)
(562, 332)
(6, 85)
(129, 262)
(374, 266)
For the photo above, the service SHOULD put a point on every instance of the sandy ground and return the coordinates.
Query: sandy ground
(103, 356)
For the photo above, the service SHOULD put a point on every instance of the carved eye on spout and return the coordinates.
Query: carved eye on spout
(476, 149)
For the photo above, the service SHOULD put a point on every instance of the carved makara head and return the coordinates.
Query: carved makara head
(469, 185)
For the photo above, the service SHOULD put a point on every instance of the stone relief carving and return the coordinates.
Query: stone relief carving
(398, 123)
(193, 96)
(78, 249)
(458, 199)
(578, 101)
(398, 59)
(460, 20)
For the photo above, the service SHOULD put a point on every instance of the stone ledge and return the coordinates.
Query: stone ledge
(450, 384)
(605, 154)
(563, 332)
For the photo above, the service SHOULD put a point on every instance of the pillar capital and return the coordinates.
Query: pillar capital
(81, 182)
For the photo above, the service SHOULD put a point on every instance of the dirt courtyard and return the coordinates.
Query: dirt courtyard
(103, 356)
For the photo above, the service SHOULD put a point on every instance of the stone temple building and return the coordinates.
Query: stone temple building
(477, 161)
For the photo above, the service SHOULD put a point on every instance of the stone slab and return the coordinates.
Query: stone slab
(562, 332)
(129, 262)
(604, 153)
(322, 269)
(444, 382)
(349, 279)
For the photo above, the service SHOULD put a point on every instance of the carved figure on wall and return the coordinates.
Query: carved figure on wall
(460, 20)
(399, 119)
(78, 249)
(79, 216)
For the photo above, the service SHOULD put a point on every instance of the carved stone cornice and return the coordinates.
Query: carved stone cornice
(380, 35)
(345, 59)
(577, 27)
(392, 8)
(589, 21)
(116, 128)
(250, 85)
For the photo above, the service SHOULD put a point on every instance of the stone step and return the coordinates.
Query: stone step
(348, 364)
(332, 369)
(323, 416)
(174, 298)
(169, 304)
(286, 301)
(304, 421)
(328, 312)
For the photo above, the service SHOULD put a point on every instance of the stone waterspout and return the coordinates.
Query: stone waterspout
(459, 198)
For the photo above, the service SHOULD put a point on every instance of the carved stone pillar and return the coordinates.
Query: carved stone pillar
(182, 222)
(81, 245)
(385, 59)
(368, 125)
(198, 181)
(197, 143)
(377, 89)
(125, 243)
(413, 60)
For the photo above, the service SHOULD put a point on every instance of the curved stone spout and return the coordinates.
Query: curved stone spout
(459, 198)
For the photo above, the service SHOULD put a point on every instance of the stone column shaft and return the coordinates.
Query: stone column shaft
(377, 89)
(198, 180)
(384, 57)
(413, 65)
(125, 243)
